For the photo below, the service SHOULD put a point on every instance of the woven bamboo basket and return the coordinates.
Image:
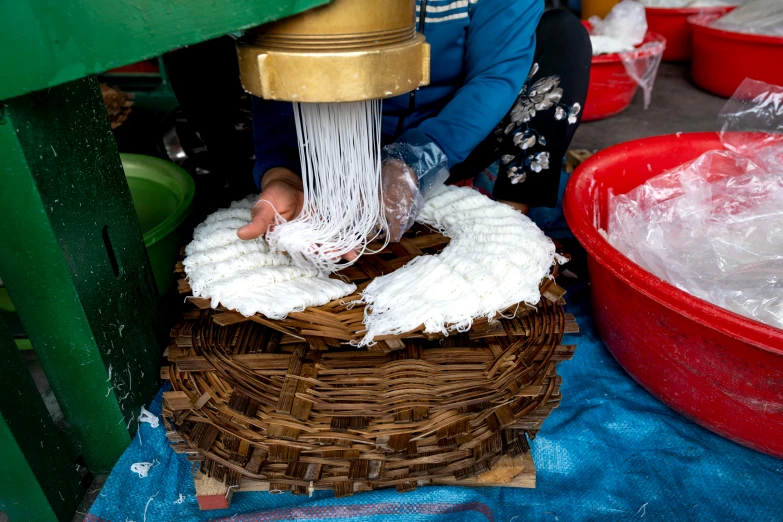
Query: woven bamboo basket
(293, 405)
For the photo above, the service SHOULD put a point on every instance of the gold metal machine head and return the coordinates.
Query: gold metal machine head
(348, 50)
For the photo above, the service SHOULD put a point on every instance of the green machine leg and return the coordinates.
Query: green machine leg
(73, 260)
(38, 481)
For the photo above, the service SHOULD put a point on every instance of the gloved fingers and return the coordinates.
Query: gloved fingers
(400, 197)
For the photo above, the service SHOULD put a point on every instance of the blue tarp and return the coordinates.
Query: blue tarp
(611, 451)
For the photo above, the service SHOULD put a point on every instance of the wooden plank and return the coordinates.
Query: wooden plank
(229, 318)
(571, 327)
(211, 490)
(574, 158)
(211, 494)
(275, 325)
(177, 400)
(429, 241)
(411, 247)
(183, 287)
(525, 479)
(201, 302)
(201, 401)
(253, 361)
(286, 399)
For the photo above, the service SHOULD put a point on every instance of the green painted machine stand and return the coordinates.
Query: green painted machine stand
(71, 251)
(38, 480)
(74, 263)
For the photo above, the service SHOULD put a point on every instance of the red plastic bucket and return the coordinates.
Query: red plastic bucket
(145, 66)
(611, 90)
(717, 368)
(672, 24)
(723, 59)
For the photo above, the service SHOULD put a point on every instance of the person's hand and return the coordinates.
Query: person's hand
(402, 200)
(281, 190)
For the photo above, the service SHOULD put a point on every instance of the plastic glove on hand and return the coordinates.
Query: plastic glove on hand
(402, 199)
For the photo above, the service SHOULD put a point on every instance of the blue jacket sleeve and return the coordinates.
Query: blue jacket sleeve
(274, 137)
(499, 53)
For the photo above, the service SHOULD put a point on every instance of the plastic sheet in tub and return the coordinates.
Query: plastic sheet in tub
(714, 227)
(720, 369)
(764, 17)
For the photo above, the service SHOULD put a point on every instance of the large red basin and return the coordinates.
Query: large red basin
(717, 368)
(723, 59)
(672, 24)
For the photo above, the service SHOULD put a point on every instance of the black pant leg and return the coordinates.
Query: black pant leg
(532, 139)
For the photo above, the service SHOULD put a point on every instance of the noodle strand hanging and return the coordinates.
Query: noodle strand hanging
(339, 150)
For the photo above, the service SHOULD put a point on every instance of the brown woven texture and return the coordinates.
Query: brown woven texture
(118, 105)
(293, 404)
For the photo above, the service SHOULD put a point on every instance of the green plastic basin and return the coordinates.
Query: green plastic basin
(163, 197)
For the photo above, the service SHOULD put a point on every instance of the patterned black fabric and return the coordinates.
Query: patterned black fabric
(532, 139)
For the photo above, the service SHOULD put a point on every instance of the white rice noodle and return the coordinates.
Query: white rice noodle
(249, 276)
(497, 258)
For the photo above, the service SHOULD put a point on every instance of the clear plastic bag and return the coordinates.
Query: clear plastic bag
(642, 64)
(425, 158)
(625, 27)
(714, 227)
(751, 123)
(763, 17)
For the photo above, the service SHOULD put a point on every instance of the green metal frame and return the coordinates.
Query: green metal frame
(38, 481)
(47, 43)
(75, 266)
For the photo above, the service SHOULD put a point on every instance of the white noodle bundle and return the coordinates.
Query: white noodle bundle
(497, 257)
(249, 276)
(339, 150)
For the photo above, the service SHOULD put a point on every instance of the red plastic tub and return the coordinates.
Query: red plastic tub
(723, 59)
(611, 90)
(672, 24)
(717, 368)
(146, 66)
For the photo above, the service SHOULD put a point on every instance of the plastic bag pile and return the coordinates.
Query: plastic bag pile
(764, 17)
(622, 30)
(714, 227)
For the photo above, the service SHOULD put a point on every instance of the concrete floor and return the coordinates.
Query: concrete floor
(677, 106)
